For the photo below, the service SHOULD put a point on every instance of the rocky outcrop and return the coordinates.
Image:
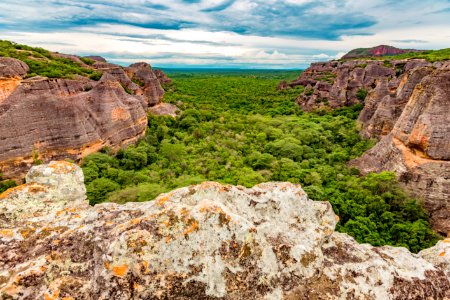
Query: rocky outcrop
(162, 77)
(418, 147)
(43, 119)
(209, 241)
(382, 50)
(406, 104)
(11, 72)
(143, 75)
(96, 58)
(165, 109)
(336, 84)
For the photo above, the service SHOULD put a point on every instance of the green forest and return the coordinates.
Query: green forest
(237, 128)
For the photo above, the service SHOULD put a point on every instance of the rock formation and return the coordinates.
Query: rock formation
(382, 50)
(209, 241)
(406, 105)
(418, 147)
(165, 109)
(162, 77)
(43, 119)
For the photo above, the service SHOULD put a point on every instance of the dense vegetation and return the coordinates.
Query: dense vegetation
(6, 184)
(429, 55)
(236, 128)
(43, 63)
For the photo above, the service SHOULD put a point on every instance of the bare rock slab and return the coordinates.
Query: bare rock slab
(208, 241)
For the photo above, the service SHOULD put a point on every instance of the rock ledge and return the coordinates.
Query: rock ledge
(207, 241)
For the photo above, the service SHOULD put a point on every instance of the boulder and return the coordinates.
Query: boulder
(208, 241)
(12, 68)
(165, 109)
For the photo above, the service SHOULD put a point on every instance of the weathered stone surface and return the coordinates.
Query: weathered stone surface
(162, 77)
(149, 83)
(45, 119)
(384, 105)
(96, 58)
(418, 147)
(58, 118)
(209, 241)
(336, 84)
(165, 109)
(11, 67)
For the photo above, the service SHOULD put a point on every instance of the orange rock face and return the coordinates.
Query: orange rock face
(7, 86)
(44, 119)
(418, 147)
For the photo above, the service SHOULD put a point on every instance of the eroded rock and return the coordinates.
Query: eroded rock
(43, 119)
(208, 241)
(407, 108)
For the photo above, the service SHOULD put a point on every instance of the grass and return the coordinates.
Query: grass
(42, 63)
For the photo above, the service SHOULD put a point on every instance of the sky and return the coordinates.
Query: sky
(275, 34)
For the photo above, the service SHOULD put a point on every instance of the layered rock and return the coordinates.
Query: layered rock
(143, 75)
(11, 72)
(336, 84)
(418, 147)
(406, 107)
(43, 119)
(209, 241)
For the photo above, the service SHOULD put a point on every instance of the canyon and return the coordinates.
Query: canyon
(406, 104)
(68, 118)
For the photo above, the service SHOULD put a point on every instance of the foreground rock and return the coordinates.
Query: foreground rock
(406, 105)
(209, 241)
(43, 119)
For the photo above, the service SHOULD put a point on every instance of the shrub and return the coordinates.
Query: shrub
(361, 94)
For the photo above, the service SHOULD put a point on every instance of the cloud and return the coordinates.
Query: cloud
(410, 41)
(251, 33)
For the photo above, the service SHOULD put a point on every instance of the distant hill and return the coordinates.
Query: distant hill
(382, 50)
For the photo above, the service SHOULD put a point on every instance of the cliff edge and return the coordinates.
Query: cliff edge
(406, 106)
(45, 118)
(208, 241)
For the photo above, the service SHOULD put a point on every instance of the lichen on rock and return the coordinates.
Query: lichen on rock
(208, 241)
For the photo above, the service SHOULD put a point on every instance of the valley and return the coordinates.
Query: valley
(236, 128)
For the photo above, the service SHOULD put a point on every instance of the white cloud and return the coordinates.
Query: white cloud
(247, 32)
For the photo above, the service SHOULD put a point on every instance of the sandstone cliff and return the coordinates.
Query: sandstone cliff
(49, 118)
(209, 241)
(406, 106)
